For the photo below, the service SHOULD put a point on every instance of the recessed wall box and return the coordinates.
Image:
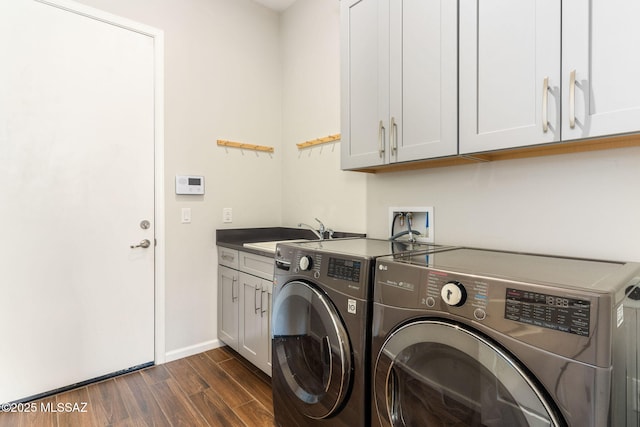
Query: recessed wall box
(422, 222)
(189, 184)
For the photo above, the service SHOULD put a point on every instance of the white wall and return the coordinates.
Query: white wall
(583, 205)
(222, 81)
(312, 183)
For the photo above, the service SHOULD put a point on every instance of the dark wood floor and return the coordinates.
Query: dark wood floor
(215, 388)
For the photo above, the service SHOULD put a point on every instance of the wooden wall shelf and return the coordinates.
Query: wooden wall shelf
(243, 146)
(318, 141)
(516, 153)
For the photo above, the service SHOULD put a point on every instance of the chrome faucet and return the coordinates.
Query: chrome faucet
(319, 232)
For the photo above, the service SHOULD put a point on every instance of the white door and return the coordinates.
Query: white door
(77, 173)
(600, 39)
(508, 50)
(423, 79)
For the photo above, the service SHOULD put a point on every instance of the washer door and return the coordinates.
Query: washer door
(311, 350)
(436, 373)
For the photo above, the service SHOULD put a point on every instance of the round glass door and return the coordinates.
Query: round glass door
(434, 373)
(312, 353)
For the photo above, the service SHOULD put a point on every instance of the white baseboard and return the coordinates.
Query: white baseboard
(191, 350)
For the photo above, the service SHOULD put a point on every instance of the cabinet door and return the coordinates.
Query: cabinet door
(228, 303)
(508, 50)
(253, 345)
(365, 82)
(599, 42)
(423, 79)
(267, 287)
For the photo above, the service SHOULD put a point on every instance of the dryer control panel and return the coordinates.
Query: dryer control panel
(346, 274)
(345, 269)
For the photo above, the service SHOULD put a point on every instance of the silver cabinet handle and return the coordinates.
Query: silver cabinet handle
(545, 100)
(394, 136)
(262, 309)
(255, 299)
(233, 287)
(381, 139)
(228, 257)
(572, 99)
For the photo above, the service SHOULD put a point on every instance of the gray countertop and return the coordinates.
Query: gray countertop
(235, 238)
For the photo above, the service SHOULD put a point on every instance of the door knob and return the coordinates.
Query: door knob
(143, 244)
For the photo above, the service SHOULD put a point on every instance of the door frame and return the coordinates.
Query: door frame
(159, 184)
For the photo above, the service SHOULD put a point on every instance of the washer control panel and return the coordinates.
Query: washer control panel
(305, 263)
(493, 301)
(442, 289)
(544, 315)
(548, 311)
(454, 293)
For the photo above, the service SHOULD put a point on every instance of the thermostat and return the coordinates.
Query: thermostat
(189, 184)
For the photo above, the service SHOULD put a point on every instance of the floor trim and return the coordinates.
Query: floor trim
(180, 353)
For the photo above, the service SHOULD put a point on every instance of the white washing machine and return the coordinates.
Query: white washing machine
(472, 337)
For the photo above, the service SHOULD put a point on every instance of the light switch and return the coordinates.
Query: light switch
(186, 215)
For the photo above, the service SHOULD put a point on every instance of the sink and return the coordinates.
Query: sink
(269, 246)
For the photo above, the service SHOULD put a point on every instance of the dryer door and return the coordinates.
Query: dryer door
(311, 350)
(432, 372)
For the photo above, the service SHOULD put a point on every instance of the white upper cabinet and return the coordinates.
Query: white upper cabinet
(509, 73)
(364, 82)
(399, 81)
(422, 79)
(518, 88)
(600, 40)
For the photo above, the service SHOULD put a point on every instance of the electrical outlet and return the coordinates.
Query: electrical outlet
(421, 218)
(227, 215)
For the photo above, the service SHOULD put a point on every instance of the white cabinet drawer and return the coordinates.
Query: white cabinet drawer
(257, 265)
(228, 257)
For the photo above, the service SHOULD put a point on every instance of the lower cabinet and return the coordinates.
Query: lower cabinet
(228, 306)
(255, 323)
(245, 287)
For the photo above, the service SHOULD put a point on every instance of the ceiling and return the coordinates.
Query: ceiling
(277, 5)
